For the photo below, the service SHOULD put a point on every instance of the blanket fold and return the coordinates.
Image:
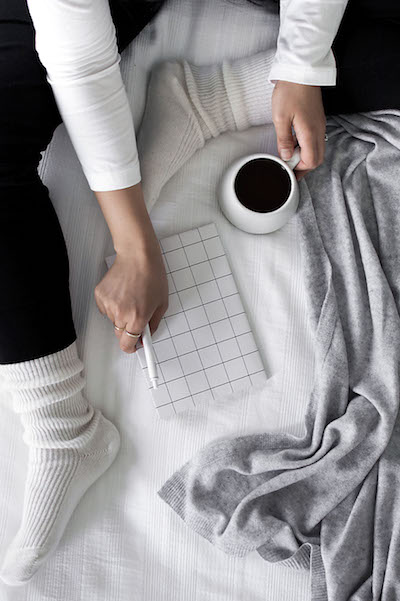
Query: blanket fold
(331, 499)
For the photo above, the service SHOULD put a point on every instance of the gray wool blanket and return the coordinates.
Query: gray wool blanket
(329, 501)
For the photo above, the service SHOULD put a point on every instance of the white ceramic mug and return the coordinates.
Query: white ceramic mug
(256, 222)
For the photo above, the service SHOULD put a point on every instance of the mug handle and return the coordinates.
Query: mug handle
(294, 159)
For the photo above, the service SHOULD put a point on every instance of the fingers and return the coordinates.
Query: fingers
(135, 325)
(312, 152)
(284, 137)
(299, 106)
(300, 174)
(99, 302)
(130, 323)
(133, 292)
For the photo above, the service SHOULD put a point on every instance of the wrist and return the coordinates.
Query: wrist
(140, 243)
(128, 220)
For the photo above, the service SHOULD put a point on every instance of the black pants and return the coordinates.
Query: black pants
(367, 53)
(35, 305)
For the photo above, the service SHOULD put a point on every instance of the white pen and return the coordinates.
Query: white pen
(150, 357)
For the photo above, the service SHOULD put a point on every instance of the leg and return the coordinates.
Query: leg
(187, 105)
(35, 314)
(367, 53)
(70, 443)
(130, 17)
(35, 308)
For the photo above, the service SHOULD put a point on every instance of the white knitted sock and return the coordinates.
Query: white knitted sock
(71, 445)
(187, 105)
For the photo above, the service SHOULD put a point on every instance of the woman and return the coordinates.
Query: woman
(70, 443)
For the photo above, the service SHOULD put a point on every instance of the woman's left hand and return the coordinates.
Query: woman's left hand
(134, 292)
(299, 105)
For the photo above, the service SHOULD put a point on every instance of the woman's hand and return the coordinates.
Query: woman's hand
(134, 292)
(301, 106)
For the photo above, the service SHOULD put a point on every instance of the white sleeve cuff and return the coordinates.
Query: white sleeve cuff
(311, 76)
(114, 180)
(76, 43)
(99, 122)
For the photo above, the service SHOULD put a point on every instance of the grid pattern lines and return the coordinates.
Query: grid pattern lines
(204, 346)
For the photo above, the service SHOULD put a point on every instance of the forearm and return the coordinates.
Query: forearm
(76, 43)
(306, 33)
(128, 220)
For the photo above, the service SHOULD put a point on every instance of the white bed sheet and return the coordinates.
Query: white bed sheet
(123, 542)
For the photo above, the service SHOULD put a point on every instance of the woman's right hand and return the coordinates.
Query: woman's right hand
(299, 105)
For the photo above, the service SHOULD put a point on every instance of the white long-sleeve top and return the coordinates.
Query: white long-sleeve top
(76, 43)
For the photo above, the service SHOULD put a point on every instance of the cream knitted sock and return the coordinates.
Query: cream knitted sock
(70, 444)
(187, 105)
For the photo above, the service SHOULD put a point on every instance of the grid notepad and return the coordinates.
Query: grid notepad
(204, 345)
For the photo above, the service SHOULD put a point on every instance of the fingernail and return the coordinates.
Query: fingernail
(286, 154)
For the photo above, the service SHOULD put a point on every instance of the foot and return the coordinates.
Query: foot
(57, 480)
(169, 133)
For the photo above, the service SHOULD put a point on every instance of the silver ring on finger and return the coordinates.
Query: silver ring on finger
(132, 335)
(119, 329)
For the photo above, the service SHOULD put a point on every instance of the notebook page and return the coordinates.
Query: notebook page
(204, 344)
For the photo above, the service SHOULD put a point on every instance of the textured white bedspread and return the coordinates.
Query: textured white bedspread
(123, 542)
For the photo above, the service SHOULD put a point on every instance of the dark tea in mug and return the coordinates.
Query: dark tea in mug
(262, 185)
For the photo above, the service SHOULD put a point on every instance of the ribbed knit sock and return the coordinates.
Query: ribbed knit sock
(187, 105)
(71, 445)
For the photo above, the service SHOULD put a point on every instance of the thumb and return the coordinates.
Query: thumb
(284, 138)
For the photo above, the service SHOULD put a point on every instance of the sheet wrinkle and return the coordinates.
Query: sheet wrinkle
(352, 286)
(122, 542)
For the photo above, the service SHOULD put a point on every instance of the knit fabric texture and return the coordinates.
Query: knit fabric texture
(71, 444)
(329, 500)
(188, 104)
